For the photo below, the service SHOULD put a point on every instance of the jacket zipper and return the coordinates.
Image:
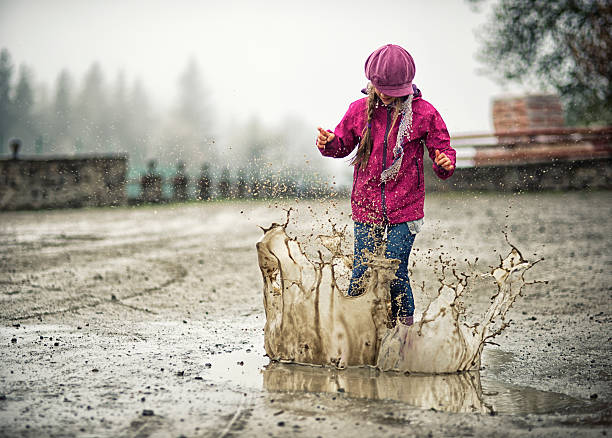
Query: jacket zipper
(384, 166)
(416, 161)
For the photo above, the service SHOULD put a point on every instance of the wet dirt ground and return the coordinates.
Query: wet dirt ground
(149, 321)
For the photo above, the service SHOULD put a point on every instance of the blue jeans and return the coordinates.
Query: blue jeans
(399, 244)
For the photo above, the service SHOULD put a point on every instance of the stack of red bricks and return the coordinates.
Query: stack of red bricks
(525, 113)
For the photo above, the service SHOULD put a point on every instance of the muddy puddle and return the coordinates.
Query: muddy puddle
(321, 340)
(466, 392)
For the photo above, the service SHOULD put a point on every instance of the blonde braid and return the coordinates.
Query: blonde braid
(362, 156)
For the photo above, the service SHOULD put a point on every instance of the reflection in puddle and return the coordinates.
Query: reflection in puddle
(459, 392)
(467, 392)
(451, 392)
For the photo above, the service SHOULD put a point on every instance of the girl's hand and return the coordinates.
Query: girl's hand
(443, 161)
(324, 137)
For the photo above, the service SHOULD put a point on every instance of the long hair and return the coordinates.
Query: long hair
(362, 156)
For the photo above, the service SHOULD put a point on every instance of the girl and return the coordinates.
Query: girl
(389, 128)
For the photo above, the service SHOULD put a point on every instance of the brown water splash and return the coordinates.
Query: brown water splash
(309, 319)
(439, 342)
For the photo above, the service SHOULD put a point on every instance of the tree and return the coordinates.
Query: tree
(119, 115)
(6, 73)
(192, 98)
(92, 112)
(139, 131)
(24, 95)
(564, 45)
(22, 104)
(42, 121)
(186, 135)
(62, 116)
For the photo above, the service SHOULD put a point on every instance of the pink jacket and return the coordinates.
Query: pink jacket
(402, 199)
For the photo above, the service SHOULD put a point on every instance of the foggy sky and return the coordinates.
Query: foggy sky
(271, 59)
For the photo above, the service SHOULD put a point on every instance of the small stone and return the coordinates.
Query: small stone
(593, 396)
(341, 390)
(95, 370)
(198, 378)
(147, 413)
(14, 340)
(208, 365)
(281, 423)
(180, 373)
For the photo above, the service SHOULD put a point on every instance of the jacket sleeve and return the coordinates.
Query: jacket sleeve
(346, 136)
(438, 138)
